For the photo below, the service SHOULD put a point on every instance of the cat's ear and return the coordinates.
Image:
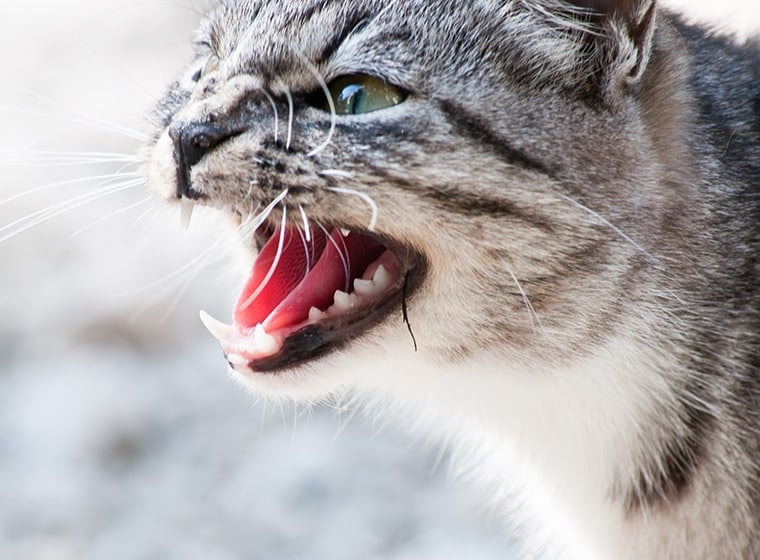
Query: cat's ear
(622, 32)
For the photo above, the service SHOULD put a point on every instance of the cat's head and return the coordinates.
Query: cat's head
(490, 155)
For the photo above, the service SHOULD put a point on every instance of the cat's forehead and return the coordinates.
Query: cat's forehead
(402, 41)
(257, 24)
(275, 37)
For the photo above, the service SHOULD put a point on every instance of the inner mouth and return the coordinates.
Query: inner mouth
(309, 292)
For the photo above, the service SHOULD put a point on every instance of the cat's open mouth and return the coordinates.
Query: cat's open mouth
(310, 291)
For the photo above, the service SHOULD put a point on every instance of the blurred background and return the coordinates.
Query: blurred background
(120, 435)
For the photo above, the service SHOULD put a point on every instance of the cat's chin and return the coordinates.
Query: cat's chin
(310, 295)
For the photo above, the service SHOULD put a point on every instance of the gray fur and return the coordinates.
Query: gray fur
(571, 173)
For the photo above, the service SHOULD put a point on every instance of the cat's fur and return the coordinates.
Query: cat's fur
(585, 192)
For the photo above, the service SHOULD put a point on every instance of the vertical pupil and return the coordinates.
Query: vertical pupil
(351, 98)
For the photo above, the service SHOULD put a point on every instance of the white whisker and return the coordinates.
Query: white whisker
(333, 115)
(276, 114)
(275, 262)
(336, 173)
(306, 251)
(291, 112)
(306, 227)
(104, 124)
(343, 257)
(91, 123)
(203, 256)
(63, 159)
(249, 229)
(365, 197)
(51, 212)
(531, 310)
(608, 224)
(109, 216)
(104, 178)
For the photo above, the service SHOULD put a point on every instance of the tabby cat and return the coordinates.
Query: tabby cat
(534, 224)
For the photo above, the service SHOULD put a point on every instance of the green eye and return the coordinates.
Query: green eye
(357, 94)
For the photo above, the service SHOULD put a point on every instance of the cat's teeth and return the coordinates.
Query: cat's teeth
(365, 287)
(186, 213)
(316, 314)
(218, 330)
(264, 343)
(342, 301)
(382, 278)
(345, 232)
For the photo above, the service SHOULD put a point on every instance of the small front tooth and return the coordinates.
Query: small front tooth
(342, 300)
(219, 330)
(265, 343)
(186, 213)
(345, 232)
(382, 278)
(365, 287)
(316, 314)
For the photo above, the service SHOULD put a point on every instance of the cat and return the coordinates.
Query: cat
(534, 224)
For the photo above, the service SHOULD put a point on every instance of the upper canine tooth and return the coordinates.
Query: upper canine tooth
(342, 300)
(365, 287)
(345, 232)
(186, 213)
(382, 278)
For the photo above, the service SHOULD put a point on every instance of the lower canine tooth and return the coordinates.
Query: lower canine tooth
(342, 300)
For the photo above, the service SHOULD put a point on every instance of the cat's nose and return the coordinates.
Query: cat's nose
(192, 141)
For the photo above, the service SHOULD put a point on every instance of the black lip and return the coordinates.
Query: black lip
(314, 341)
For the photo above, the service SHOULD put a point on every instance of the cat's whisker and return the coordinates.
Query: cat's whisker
(251, 225)
(365, 197)
(79, 180)
(532, 315)
(198, 267)
(90, 123)
(291, 113)
(43, 158)
(19, 226)
(276, 113)
(306, 252)
(141, 217)
(336, 173)
(275, 262)
(104, 124)
(200, 258)
(306, 226)
(333, 114)
(610, 225)
(342, 254)
(109, 216)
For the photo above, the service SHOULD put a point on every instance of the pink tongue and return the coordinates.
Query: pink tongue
(254, 304)
(292, 289)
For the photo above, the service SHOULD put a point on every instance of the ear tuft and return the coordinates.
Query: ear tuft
(625, 29)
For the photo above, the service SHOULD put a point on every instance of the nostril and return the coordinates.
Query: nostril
(193, 141)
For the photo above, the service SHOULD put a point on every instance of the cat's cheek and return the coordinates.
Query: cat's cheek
(161, 170)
